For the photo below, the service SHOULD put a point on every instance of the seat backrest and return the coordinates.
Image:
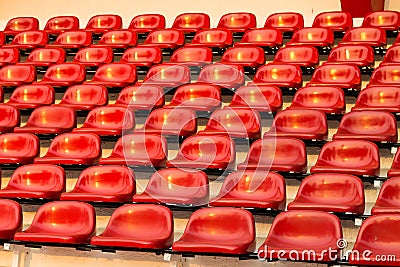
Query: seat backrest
(272, 36)
(384, 75)
(365, 34)
(85, 94)
(18, 73)
(9, 55)
(168, 36)
(52, 117)
(194, 21)
(336, 21)
(319, 97)
(379, 98)
(300, 121)
(52, 55)
(11, 219)
(237, 21)
(353, 53)
(142, 55)
(37, 38)
(19, 145)
(33, 94)
(297, 55)
(148, 22)
(110, 117)
(222, 73)
(273, 73)
(21, 24)
(256, 96)
(311, 34)
(244, 55)
(116, 72)
(392, 54)
(192, 54)
(189, 94)
(175, 119)
(332, 73)
(61, 24)
(126, 37)
(286, 22)
(65, 72)
(386, 20)
(213, 36)
(77, 37)
(104, 22)
(146, 96)
(9, 117)
(82, 145)
(169, 73)
(96, 55)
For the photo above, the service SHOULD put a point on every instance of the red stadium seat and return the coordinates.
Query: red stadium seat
(32, 96)
(280, 75)
(383, 98)
(357, 157)
(61, 222)
(388, 199)
(11, 221)
(49, 120)
(224, 75)
(319, 232)
(305, 124)
(338, 21)
(359, 55)
(371, 36)
(328, 99)
(167, 75)
(191, 22)
(8, 56)
(175, 122)
(103, 184)
(29, 40)
(118, 39)
(45, 57)
(102, 23)
(35, 181)
(9, 118)
(147, 22)
(141, 97)
(165, 39)
(205, 152)
(21, 24)
(392, 56)
(252, 57)
(330, 192)
(252, 189)
(263, 98)
(385, 20)
(73, 149)
(341, 75)
(212, 38)
(233, 232)
(285, 22)
(280, 154)
(265, 38)
(72, 40)
(63, 74)
(138, 150)
(395, 168)
(237, 22)
(114, 75)
(302, 56)
(16, 75)
(197, 96)
(60, 24)
(176, 187)
(236, 123)
(376, 239)
(18, 148)
(84, 97)
(94, 56)
(142, 56)
(192, 56)
(108, 121)
(318, 37)
(385, 75)
(142, 226)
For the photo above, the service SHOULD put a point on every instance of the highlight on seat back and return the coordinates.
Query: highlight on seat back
(103, 23)
(64, 74)
(16, 75)
(395, 168)
(280, 154)
(29, 40)
(356, 157)
(318, 37)
(35, 181)
(174, 186)
(114, 75)
(344, 76)
(9, 118)
(61, 222)
(145, 23)
(337, 21)
(359, 55)
(73, 40)
(11, 219)
(192, 56)
(142, 56)
(142, 226)
(371, 36)
(225, 75)
(117, 39)
(94, 56)
(45, 57)
(191, 22)
(265, 38)
(237, 22)
(385, 20)
(60, 24)
(233, 232)
(320, 232)
(141, 97)
(103, 184)
(252, 57)
(212, 38)
(84, 97)
(252, 189)
(388, 201)
(18, 148)
(285, 21)
(138, 150)
(280, 75)
(8, 56)
(383, 98)
(303, 56)
(165, 39)
(21, 24)
(385, 75)
(167, 75)
(330, 192)
(205, 152)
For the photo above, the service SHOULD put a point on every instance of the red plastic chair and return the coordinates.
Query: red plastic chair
(35, 181)
(318, 37)
(341, 75)
(108, 121)
(8, 56)
(18, 148)
(196, 96)
(285, 22)
(167, 75)
(49, 120)
(252, 189)
(72, 40)
(382, 98)
(337, 21)
(84, 97)
(305, 124)
(302, 56)
(212, 38)
(236, 123)
(60, 24)
(61, 222)
(262, 98)
(73, 149)
(94, 56)
(376, 239)
(142, 56)
(11, 221)
(371, 36)
(114, 75)
(385, 75)
(280, 75)
(280, 154)
(9, 118)
(357, 157)
(45, 57)
(117, 39)
(252, 57)
(141, 97)
(102, 23)
(385, 20)
(319, 232)
(138, 150)
(192, 56)
(153, 228)
(237, 22)
(165, 121)
(330, 192)
(392, 56)
(165, 39)
(265, 38)
(176, 187)
(17, 75)
(395, 168)
(224, 75)
(32, 96)
(103, 184)
(233, 232)
(21, 24)
(328, 99)
(63, 74)
(359, 55)
(191, 22)
(147, 22)
(388, 201)
(205, 152)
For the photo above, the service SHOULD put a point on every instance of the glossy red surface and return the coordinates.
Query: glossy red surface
(388, 200)
(32, 96)
(16, 75)
(302, 231)
(303, 56)
(205, 152)
(73, 40)
(244, 56)
(281, 75)
(385, 75)
(145, 226)
(114, 75)
(73, 149)
(212, 38)
(141, 97)
(61, 222)
(121, 39)
(261, 38)
(9, 118)
(8, 56)
(341, 75)
(237, 22)
(84, 97)
(64, 74)
(44, 57)
(103, 184)
(383, 98)
(224, 75)
(276, 154)
(220, 230)
(357, 157)
(192, 56)
(147, 22)
(386, 20)
(167, 75)
(191, 22)
(330, 192)
(312, 36)
(11, 219)
(35, 181)
(104, 22)
(285, 22)
(395, 168)
(338, 21)
(359, 55)
(252, 189)
(176, 187)
(18, 148)
(392, 56)
(94, 56)
(60, 24)
(168, 38)
(142, 56)
(364, 35)
(21, 24)
(139, 150)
